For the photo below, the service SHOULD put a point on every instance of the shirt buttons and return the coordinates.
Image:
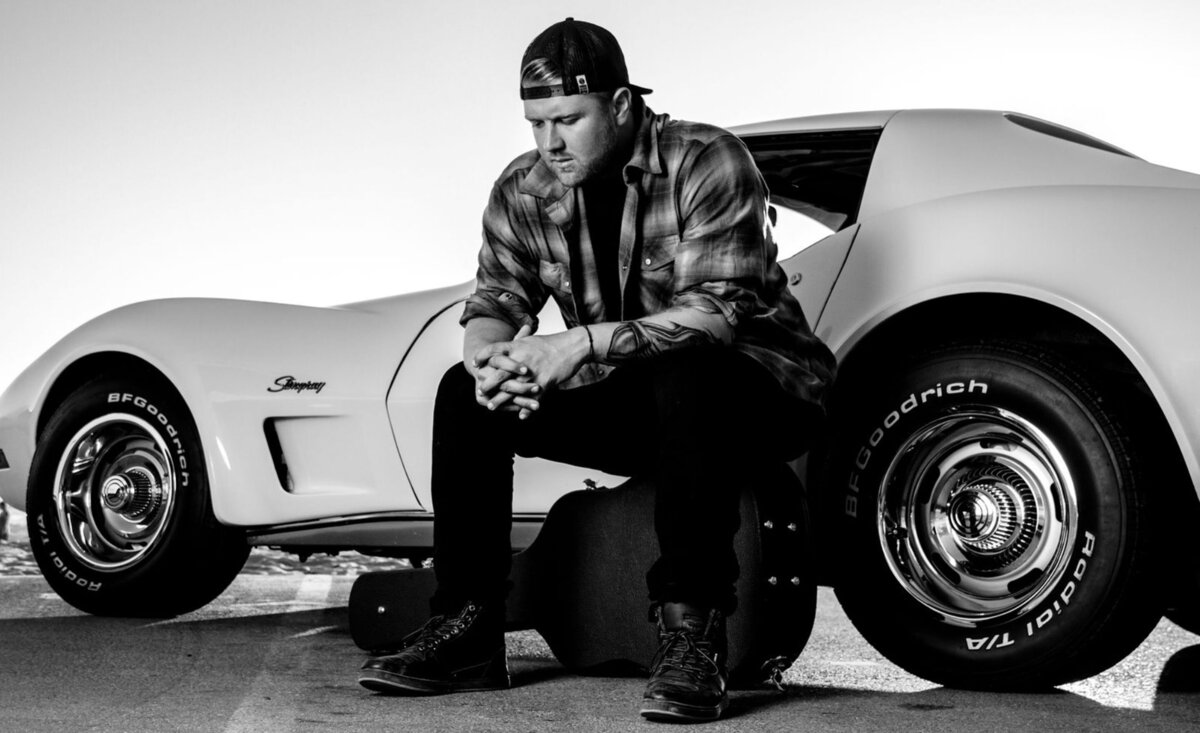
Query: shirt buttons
(648, 260)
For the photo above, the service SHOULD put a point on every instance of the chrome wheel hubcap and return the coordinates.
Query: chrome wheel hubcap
(114, 492)
(977, 515)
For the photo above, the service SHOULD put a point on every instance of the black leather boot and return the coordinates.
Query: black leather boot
(448, 654)
(687, 677)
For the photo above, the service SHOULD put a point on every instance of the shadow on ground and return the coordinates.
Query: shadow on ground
(88, 669)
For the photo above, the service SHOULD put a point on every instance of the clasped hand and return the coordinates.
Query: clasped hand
(513, 375)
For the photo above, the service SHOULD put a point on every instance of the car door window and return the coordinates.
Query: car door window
(816, 181)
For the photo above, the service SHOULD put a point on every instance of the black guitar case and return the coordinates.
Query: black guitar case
(582, 585)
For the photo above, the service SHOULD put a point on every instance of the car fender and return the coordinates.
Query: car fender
(319, 375)
(1106, 254)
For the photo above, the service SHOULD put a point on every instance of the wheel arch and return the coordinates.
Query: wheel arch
(982, 317)
(91, 366)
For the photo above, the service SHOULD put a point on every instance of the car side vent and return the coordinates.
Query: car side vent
(277, 457)
(1063, 133)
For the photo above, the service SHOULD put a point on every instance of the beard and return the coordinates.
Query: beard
(604, 156)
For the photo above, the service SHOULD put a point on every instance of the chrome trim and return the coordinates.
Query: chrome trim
(114, 492)
(396, 531)
(977, 516)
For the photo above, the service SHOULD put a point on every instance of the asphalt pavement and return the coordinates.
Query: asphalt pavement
(274, 653)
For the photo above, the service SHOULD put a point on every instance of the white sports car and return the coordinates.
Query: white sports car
(1007, 487)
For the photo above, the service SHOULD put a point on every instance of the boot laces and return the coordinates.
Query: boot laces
(439, 629)
(680, 650)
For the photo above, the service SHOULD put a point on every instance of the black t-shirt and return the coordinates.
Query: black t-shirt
(605, 202)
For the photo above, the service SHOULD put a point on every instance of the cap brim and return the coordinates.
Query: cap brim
(558, 90)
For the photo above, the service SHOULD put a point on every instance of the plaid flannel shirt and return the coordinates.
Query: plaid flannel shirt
(695, 229)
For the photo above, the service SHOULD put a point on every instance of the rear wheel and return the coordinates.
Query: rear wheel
(120, 519)
(997, 531)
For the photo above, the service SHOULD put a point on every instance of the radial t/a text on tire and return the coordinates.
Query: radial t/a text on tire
(997, 534)
(118, 505)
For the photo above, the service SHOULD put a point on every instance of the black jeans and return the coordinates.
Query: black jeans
(693, 421)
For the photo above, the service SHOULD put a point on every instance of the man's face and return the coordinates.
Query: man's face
(576, 135)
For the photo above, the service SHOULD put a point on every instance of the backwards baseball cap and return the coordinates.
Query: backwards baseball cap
(588, 56)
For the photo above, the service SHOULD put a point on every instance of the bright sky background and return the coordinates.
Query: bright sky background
(318, 152)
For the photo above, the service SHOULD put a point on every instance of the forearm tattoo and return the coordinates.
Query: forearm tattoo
(639, 340)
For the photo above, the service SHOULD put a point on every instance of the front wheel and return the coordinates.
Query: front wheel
(996, 531)
(120, 519)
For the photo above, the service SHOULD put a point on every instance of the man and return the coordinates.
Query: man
(684, 355)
